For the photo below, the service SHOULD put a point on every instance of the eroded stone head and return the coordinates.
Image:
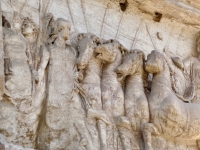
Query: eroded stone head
(17, 21)
(109, 50)
(29, 30)
(131, 63)
(61, 31)
(86, 44)
(154, 63)
(63, 27)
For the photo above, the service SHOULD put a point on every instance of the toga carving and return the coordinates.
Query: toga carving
(23, 109)
(62, 99)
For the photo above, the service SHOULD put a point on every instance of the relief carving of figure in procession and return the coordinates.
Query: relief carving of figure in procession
(62, 98)
(136, 104)
(111, 52)
(16, 59)
(90, 93)
(169, 115)
(18, 91)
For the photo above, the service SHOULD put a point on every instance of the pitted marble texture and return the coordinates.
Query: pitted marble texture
(99, 74)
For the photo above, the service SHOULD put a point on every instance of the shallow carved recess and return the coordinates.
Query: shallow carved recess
(99, 75)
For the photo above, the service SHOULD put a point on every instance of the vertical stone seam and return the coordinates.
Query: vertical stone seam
(136, 35)
(70, 13)
(119, 25)
(152, 40)
(104, 16)
(23, 6)
(82, 6)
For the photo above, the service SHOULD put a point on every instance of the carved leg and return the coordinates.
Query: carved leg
(125, 139)
(148, 129)
(125, 133)
(102, 134)
(93, 130)
(198, 143)
(102, 120)
(81, 129)
(110, 137)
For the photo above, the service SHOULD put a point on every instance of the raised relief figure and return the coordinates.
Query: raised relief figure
(135, 101)
(64, 125)
(90, 69)
(111, 53)
(93, 97)
(30, 32)
(20, 126)
(170, 116)
(16, 66)
(89, 78)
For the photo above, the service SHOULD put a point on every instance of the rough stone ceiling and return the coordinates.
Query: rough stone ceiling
(187, 11)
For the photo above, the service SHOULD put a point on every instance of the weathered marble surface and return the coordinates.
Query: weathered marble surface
(74, 74)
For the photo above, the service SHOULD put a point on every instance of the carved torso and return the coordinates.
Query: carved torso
(91, 82)
(16, 65)
(60, 59)
(61, 84)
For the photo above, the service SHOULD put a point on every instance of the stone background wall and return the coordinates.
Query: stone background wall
(134, 28)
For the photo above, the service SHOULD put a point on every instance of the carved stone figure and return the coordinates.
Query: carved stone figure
(90, 69)
(58, 80)
(135, 101)
(30, 32)
(60, 124)
(18, 91)
(15, 60)
(64, 88)
(170, 116)
(111, 53)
